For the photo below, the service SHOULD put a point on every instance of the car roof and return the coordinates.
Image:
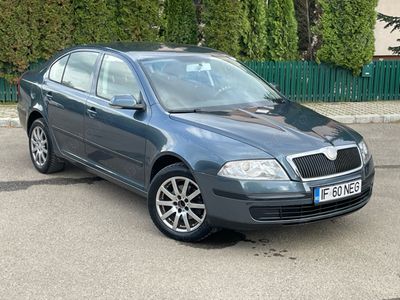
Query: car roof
(147, 49)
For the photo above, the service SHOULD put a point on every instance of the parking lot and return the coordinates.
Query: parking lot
(75, 236)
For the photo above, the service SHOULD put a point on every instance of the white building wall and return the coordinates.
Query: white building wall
(383, 38)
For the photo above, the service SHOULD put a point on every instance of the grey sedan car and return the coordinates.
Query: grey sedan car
(207, 142)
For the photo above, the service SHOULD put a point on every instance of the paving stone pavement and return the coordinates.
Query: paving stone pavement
(9, 116)
(344, 112)
(359, 112)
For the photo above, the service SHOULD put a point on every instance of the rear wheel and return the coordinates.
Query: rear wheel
(41, 149)
(176, 205)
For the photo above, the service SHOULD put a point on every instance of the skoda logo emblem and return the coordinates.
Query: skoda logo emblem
(330, 153)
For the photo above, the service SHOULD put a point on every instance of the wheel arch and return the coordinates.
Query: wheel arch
(34, 115)
(166, 159)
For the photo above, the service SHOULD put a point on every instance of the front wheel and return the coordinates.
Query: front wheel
(176, 205)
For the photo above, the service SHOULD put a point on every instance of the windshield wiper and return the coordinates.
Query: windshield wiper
(182, 111)
(195, 110)
(277, 100)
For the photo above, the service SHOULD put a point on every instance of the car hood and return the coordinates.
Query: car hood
(280, 129)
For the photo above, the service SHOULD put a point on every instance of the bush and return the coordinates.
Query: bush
(181, 23)
(347, 30)
(282, 40)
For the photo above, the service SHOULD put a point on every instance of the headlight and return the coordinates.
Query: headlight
(365, 153)
(268, 169)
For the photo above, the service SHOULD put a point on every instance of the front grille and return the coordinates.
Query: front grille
(271, 213)
(318, 165)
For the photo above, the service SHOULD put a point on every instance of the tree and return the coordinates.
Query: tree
(20, 37)
(139, 20)
(308, 14)
(94, 21)
(347, 31)
(181, 23)
(223, 25)
(391, 22)
(254, 38)
(55, 25)
(282, 40)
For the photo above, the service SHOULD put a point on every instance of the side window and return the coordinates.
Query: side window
(57, 69)
(79, 70)
(116, 78)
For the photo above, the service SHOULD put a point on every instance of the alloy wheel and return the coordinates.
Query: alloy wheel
(39, 146)
(180, 205)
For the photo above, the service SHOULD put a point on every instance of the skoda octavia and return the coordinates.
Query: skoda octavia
(208, 142)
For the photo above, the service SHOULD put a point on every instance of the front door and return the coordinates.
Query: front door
(66, 90)
(115, 137)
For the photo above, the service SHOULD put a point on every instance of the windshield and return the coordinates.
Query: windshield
(205, 82)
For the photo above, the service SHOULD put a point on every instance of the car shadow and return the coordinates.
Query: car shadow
(275, 240)
(271, 241)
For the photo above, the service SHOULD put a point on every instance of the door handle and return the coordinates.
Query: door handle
(49, 96)
(50, 101)
(92, 112)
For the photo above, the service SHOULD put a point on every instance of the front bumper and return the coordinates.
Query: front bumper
(239, 204)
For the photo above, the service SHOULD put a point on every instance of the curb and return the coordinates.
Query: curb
(367, 119)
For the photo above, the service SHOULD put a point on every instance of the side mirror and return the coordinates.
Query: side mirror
(127, 102)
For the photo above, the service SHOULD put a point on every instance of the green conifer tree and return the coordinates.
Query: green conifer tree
(223, 25)
(282, 40)
(181, 23)
(308, 14)
(139, 20)
(394, 23)
(20, 37)
(55, 26)
(94, 21)
(347, 31)
(255, 34)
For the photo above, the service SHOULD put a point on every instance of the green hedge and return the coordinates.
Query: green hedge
(34, 32)
(246, 29)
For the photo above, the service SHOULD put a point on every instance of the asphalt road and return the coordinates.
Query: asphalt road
(71, 235)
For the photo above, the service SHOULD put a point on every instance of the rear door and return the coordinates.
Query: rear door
(66, 90)
(116, 137)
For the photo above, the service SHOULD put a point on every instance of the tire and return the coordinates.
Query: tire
(41, 149)
(182, 215)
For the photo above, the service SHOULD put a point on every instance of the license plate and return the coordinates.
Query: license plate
(338, 191)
